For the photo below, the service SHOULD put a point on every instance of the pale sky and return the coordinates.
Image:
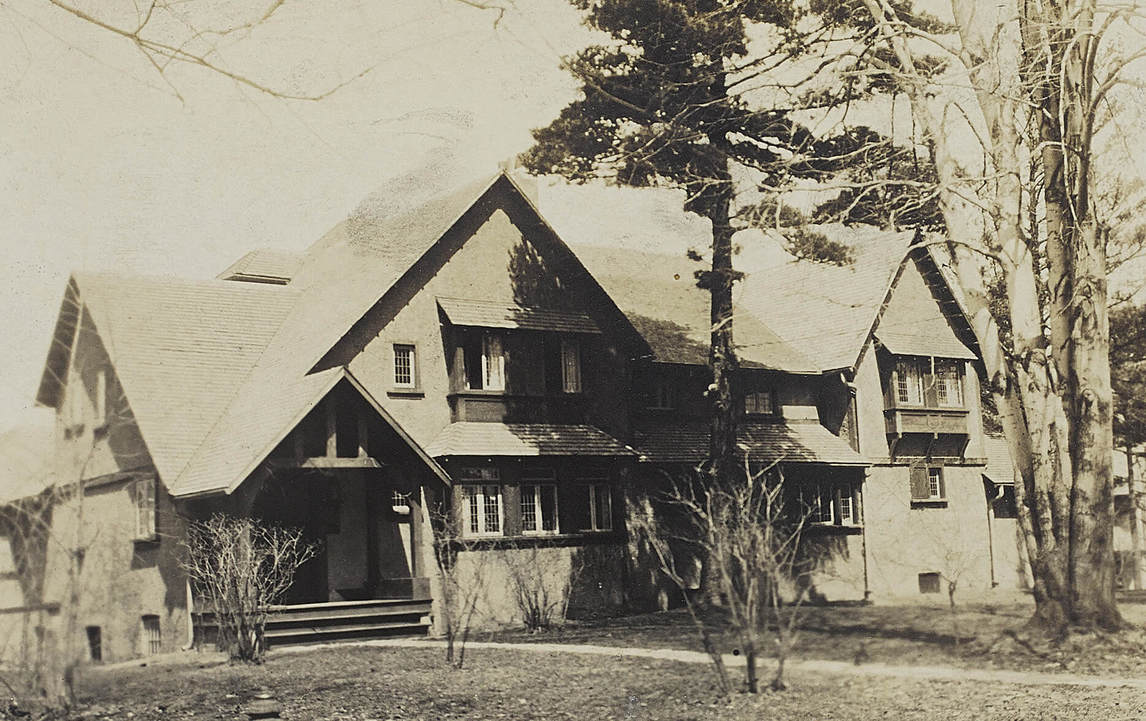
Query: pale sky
(103, 167)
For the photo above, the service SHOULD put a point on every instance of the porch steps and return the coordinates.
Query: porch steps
(340, 620)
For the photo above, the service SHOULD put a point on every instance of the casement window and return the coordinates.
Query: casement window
(927, 483)
(832, 503)
(485, 363)
(143, 494)
(570, 365)
(949, 383)
(405, 366)
(909, 382)
(600, 507)
(538, 508)
(759, 402)
(400, 502)
(481, 502)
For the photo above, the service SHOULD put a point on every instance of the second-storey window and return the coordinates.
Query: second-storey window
(405, 368)
(949, 383)
(144, 496)
(493, 362)
(759, 403)
(909, 382)
(570, 365)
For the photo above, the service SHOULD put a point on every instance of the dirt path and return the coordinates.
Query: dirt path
(814, 666)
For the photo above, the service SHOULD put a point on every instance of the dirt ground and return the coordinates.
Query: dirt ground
(359, 683)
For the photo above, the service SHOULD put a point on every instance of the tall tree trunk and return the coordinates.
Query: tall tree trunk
(722, 448)
(1135, 540)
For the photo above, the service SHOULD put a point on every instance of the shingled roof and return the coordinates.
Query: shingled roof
(524, 439)
(181, 349)
(765, 442)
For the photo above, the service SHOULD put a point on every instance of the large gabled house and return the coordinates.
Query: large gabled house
(460, 364)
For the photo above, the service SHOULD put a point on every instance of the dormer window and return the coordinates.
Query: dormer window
(759, 403)
(909, 382)
(485, 363)
(949, 383)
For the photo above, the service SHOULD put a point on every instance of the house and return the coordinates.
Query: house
(460, 366)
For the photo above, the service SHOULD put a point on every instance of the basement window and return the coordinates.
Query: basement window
(929, 582)
(95, 643)
(152, 636)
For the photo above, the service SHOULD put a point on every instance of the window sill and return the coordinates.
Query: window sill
(928, 502)
(842, 529)
(146, 541)
(538, 539)
(398, 392)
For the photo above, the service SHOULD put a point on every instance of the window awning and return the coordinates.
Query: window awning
(938, 343)
(765, 442)
(492, 314)
(524, 439)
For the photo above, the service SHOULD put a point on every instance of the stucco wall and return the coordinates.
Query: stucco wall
(497, 262)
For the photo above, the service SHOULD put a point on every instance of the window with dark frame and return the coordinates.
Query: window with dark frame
(831, 503)
(909, 382)
(927, 483)
(600, 507)
(152, 636)
(484, 358)
(949, 383)
(481, 502)
(662, 394)
(570, 365)
(759, 402)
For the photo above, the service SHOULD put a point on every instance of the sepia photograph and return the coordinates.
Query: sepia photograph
(665, 360)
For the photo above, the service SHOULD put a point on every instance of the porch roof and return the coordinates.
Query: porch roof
(999, 469)
(765, 442)
(468, 438)
(487, 314)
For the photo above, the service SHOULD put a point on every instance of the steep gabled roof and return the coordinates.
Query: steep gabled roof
(826, 311)
(660, 297)
(913, 323)
(264, 265)
(180, 348)
(256, 422)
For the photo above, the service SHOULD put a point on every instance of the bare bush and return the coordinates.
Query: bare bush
(540, 589)
(239, 569)
(747, 534)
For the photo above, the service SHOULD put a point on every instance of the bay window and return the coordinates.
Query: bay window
(949, 383)
(909, 382)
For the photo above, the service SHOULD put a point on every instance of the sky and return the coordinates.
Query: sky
(104, 166)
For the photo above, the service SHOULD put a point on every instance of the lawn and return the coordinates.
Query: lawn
(359, 683)
(973, 635)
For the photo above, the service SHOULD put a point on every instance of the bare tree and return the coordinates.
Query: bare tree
(240, 568)
(1021, 204)
(172, 33)
(750, 533)
(463, 583)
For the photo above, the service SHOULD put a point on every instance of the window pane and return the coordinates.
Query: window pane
(529, 508)
(473, 495)
(404, 365)
(570, 366)
(602, 507)
(845, 506)
(909, 386)
(493, 363)
(548, 508)
(934, 483)
(492, 509)
(949, 384)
